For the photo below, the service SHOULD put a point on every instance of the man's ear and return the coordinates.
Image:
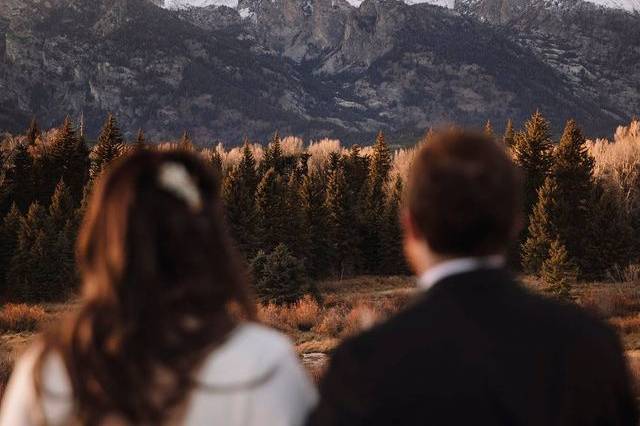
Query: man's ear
(410, 230)
(416, 249)
(408, 225)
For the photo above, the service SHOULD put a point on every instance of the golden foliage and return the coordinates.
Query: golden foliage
(18, 318)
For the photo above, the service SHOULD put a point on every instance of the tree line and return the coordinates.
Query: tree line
(293, 222)
(335, 221)
(577, 227)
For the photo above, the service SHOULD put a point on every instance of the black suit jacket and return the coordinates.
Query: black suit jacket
(478, 349)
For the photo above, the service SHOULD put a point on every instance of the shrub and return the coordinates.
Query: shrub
(627, 325)
(318, 346)
(304, 314)
(634, 368)
(279, 277)
(394, 303)
(628, 274)
(359, 318)
(274, 316)
(18, 318)
(331, 322)
(608, 302)
(558, 272)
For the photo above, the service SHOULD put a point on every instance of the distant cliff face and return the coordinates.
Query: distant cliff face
(595, 50)
(314, 67)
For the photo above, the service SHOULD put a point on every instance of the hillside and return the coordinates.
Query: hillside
(315, 67)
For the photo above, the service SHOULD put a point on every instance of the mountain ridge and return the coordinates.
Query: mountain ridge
(316, 68)
(628, 5)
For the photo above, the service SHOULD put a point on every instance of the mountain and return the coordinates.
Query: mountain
(595, 50)
(629, 5)
(186, 4)
(315, 67)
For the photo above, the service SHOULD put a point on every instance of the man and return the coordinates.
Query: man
(476, 348)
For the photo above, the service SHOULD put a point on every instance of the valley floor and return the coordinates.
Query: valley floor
(346, 307)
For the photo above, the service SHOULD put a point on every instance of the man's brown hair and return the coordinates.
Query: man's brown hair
(464, 194)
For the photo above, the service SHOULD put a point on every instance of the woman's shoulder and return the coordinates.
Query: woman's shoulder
(48, 364)
(260, 335)
(251, 351)
(20, 405)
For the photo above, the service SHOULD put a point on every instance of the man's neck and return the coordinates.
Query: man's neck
(446, 267)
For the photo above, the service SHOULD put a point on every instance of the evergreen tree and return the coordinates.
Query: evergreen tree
(302, 168)
(334, 163)
(216, 162)
(509, 135)
(372, 237)
(29, 267)
(356, 172)
(247, 167)
(379, 171)
(610, 243)
(82, 208)
(239, 193)
(185, 143)
(315, 225)
(141, 142)
(273, 157)
(33, 132)
(68, 161)
(562, 212)
(295, 236)
(61, 207)
(279, 276)
(356, 167)
(17, 181)
(542, 228)
(9, 229)
(572, 169)
(272, 218)
(61, 233)
(531, 150)
(393, 255)
(109, 147)
(488, 129)
(340, 223)
(558, 273)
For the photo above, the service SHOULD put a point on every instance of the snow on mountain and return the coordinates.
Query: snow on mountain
(444, 3)
(630, 5)
(184, 4)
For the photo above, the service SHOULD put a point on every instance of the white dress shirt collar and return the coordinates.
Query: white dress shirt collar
(458, 266)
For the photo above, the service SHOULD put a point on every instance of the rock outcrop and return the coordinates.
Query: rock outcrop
(315, 67)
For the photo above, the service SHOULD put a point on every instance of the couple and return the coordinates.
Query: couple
(165, 331)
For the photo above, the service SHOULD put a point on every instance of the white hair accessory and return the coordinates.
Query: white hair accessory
(175, 178)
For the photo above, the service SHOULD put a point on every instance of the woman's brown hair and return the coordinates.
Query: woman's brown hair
(161, 286)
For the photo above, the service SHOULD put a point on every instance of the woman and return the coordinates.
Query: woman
(164, 332)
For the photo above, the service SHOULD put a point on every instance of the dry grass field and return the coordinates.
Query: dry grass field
(346, 307)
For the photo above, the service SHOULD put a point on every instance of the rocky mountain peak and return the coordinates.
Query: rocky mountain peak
(315, 68)
(299, 29)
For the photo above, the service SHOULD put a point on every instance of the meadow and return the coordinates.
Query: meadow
(344, 308)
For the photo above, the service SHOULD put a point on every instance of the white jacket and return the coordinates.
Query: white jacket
(280, 392)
